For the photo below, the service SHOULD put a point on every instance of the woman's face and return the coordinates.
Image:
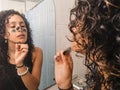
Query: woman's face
(16, 31)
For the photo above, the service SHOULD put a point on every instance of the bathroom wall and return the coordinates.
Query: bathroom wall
(7, 4)
(63, 8)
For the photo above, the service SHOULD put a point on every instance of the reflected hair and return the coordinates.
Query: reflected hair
(99, 22)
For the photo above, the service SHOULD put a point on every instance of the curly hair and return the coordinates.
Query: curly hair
(99, 22)
(4, 57)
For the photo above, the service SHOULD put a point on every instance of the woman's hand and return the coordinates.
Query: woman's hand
(21, 51)
(63, 70)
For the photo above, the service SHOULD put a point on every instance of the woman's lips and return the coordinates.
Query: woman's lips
(21, 36)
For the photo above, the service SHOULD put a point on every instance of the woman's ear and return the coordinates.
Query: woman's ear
(5, 37)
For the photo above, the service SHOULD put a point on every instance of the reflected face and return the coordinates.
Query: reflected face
(79, 45)
(16, 31)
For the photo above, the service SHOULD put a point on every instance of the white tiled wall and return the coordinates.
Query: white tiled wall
(62, 18)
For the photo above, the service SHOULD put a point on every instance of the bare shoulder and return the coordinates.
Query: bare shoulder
(37, 60)
(37, 53)
(37, 50)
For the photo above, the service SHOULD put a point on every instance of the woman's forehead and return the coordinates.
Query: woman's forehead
(14, 18)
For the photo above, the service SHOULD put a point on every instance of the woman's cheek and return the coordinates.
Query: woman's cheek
(75, 47)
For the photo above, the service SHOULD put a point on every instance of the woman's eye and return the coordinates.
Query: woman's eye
(23, 26)
(12, 26)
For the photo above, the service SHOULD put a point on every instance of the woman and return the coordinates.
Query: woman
(95, 28)
(20, 60)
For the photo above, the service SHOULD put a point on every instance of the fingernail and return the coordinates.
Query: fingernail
(67, 51)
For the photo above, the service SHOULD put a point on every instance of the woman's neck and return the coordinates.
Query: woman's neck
(11, 48)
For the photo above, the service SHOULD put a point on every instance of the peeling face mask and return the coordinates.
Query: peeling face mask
(18, 28)
(14, 30)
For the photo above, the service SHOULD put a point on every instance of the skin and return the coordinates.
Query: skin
(63, 70)
(18, 49)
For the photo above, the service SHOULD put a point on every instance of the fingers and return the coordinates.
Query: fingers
(61, 57)
(58, 57)
(21, 47)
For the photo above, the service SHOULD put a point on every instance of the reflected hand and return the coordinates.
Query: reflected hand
(63, 70)
(21, 51)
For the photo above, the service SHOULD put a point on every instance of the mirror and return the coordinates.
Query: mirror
(42, 20)
(41, 16)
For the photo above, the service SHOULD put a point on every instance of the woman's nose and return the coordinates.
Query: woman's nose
(18, 28)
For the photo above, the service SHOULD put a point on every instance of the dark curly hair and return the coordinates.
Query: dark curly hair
(4, 57)
(99, 22)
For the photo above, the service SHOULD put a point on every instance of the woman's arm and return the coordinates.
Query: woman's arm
(32, 81)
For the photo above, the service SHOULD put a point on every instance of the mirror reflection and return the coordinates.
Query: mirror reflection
(41, 16)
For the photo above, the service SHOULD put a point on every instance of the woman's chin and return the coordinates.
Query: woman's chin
(21, 41)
